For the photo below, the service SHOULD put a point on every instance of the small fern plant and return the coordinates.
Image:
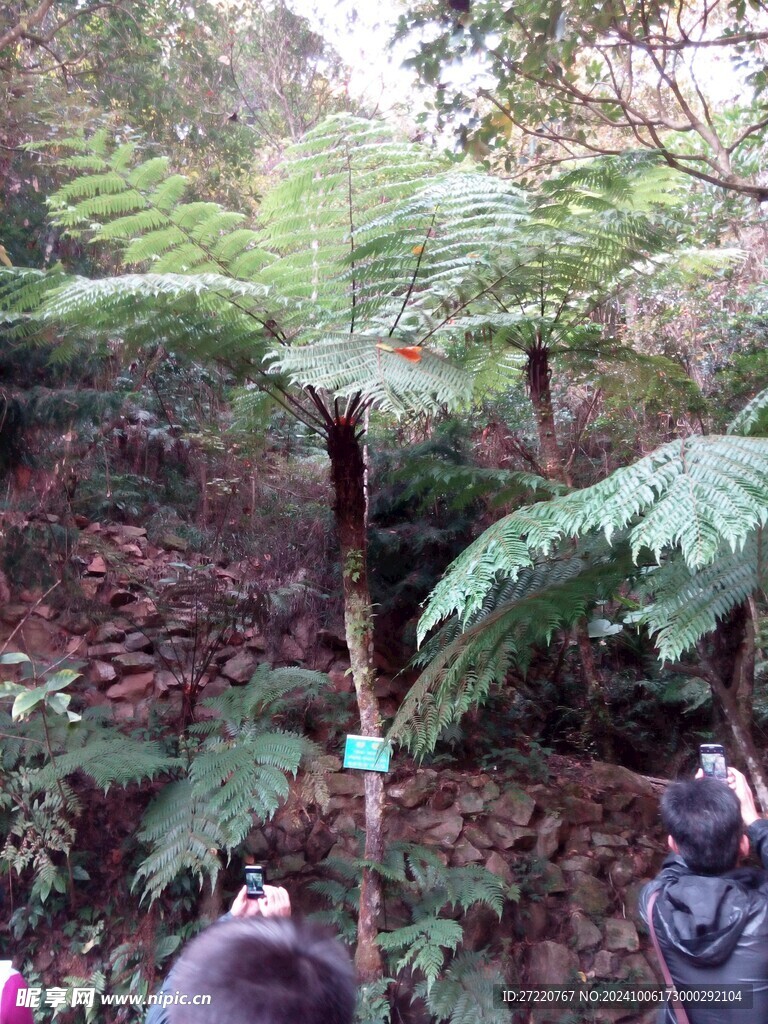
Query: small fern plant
(427, 946)
(236, 767)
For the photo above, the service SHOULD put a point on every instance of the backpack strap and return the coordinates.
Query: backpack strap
(679, 1011)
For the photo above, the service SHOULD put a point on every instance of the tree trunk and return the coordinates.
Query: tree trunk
(348, 478)
(730, 670)
(538, 374)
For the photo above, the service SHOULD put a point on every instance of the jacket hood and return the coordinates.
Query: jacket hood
(703, 917)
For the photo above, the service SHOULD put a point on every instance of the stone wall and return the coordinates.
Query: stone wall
(580, 847)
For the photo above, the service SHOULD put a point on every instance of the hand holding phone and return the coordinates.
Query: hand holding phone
(274, 903)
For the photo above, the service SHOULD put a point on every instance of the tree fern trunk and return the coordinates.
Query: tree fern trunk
(597, 722)
(348, 480)
(538, 374)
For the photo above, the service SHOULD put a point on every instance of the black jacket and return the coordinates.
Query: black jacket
(713, 930)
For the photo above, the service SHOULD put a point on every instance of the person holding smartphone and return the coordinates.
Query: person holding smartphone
(274, 903)
(709, 916)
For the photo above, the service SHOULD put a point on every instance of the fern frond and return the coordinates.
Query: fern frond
(695, 494)
(465, 992)
(518, 613)
(108, 762)
(185, 835)
(753, 418)
(423, 945)
(686, 604)
(357, 365)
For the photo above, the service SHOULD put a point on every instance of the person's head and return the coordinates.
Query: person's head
(703, 819)
(264, 971)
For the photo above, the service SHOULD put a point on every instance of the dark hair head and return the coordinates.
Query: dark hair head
(264, 971)
(703, 816)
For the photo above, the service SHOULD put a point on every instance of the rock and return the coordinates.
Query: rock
(553, 878)
(490, 791)
(581, 812)
(512, 837)
(173, 542)
(181, 629)
(442, 829)
(631, 901)
(572, 864)
(76, 647)
(97, 566)
(240, 668)
(135, 662)
(44, 611)
(622, 872)
(549, 834)
(477, 836)
(637, 967)
(465, 853)
(105, 650)
(143, 613)
(534, 920)
(480, 925)
(101, 673)
(128, 532)
(108, 633)
(293, 864)
(551, 963)
(342, 681)
(605, 965)
(132, 688)
(586, 935)
(590, 895)
(621, 934)
(165, 680)
(414, 791)
(496, 864)
(12, 614)
(291, 650)
(614, 776)
(444, 797)
(318, 843)
(608, 839)
(347, 783)
(257, 845)
(513, 805)
(470, 803)
(137, 642)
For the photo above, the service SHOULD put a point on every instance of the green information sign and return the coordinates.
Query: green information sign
(368, 753)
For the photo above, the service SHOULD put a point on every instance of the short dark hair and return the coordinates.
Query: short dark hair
(703, 816)
(264, 971)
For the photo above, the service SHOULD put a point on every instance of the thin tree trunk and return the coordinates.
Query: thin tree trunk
(348, 480)
(539, 375)
(730, 672)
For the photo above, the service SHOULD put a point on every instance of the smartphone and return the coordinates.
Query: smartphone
(713, 763)
(255, 877)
